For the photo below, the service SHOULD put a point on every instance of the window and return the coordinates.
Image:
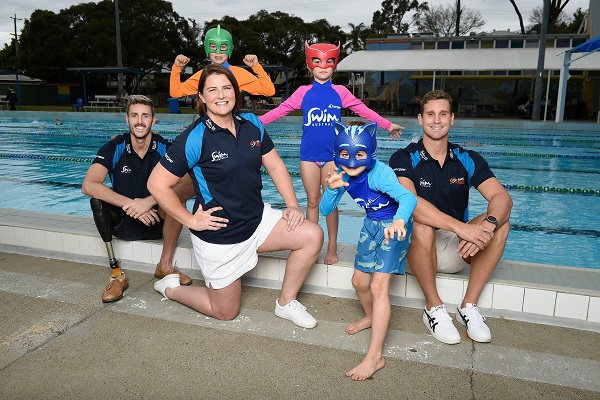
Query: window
(458, 44)
(502, 44)
(563, 43)
(443, 45)
(516, 44)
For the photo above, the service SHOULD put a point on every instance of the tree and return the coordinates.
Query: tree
(562, 23)
(84, 35)
(518, 15)
(554, 15)
(389, 19)
(357, 38)
(441, 20)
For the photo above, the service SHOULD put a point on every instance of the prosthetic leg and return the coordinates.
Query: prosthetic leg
(118, 282)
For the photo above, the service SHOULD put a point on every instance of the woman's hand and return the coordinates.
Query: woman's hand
(205, 221)
(294, 217)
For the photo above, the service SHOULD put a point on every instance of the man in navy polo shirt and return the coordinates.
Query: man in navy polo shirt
(440, 173)
(127, 210)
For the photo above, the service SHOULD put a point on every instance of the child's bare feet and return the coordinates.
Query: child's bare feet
(358, 326)
(366, 368)
(331, 257)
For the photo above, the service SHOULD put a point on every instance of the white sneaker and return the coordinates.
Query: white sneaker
(169, 281)
(474, 321)
(295, 312)
(522, 108)
(440, 325)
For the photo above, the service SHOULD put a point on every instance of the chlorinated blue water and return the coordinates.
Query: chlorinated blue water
(552, 176)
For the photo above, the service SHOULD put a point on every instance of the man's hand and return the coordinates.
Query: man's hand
(334, 180)
(474, 238)
(395, 131)
(143, 210)
(397, 226)
(181, 61)
(205, 221)
(294, 217)
(250, 60)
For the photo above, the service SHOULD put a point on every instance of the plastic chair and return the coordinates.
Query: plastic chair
(77, 105)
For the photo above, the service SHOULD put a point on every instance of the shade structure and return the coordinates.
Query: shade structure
(459, 60)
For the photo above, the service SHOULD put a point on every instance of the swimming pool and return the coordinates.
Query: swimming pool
(552, 176)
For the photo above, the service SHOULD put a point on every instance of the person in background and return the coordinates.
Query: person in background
(444, 239)
(218, 45)
(224, 152)
(11, 97)
(321, 104)
(127, 210)
(384, 238)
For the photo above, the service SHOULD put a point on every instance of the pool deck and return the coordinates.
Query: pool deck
(555, 295)
(58, 340)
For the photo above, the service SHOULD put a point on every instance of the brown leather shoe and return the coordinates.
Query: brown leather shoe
(183, 278)
(115, 288)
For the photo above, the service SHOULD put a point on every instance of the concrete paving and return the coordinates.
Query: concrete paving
(59, 341)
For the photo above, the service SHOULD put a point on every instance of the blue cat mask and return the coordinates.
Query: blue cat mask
(353, 139)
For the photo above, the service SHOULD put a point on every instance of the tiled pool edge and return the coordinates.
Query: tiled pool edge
(74, 238)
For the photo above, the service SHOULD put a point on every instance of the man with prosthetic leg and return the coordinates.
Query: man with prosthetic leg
(127, 210)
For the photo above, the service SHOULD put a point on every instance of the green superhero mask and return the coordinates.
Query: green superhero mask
(220, 39)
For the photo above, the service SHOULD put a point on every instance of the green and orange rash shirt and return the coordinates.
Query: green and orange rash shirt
(259, 84)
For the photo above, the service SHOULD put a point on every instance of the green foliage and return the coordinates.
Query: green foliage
(390, 18)
(84, 35)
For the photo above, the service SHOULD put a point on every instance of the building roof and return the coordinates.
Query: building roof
(461, 60)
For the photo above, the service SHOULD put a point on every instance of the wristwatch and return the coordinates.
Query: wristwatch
(492, 220)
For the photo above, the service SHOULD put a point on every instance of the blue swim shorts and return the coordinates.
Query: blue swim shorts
(373, 255)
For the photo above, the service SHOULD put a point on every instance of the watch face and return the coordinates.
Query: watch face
(492, 219)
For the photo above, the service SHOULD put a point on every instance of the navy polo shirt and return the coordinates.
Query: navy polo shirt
(225, 170)
(445, 187)
(128, 172)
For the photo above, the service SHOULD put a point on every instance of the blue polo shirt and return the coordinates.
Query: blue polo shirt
(129, 175)
(225, 170)
(445, 187)
(128, 172)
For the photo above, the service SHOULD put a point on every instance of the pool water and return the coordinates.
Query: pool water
(553, 178)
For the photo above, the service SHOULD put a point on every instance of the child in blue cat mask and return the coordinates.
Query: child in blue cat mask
(384, 237)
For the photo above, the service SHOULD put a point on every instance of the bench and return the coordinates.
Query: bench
(4, 102)
(103, 102)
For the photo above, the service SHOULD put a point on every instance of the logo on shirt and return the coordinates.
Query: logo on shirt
(334, 106)
(318, 117)
(424, 155)
(100, 157)
(255, 143)
(424, 183)
(218, 156)
(457, 181)
(168, 158)
(126, 170)
(399, 169)
(210, 125)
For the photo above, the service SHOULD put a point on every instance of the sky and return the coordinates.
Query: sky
(499, 14)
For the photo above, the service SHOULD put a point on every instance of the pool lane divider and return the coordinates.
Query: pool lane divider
(526, 188)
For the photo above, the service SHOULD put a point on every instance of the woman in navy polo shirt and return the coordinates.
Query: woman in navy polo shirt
(223, 151)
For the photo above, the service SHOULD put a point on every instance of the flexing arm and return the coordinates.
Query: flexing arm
(176, 87)
(261, 84)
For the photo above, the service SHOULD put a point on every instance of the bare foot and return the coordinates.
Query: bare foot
(331, 257)
(366, 369)
(358, 326)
